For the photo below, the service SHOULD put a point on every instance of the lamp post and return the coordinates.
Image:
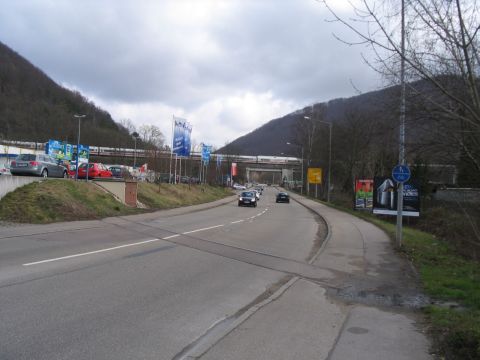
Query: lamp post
(79, 117)
(329, 152)
(135, 137)
(301, 188)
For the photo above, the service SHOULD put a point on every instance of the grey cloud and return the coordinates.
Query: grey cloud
(109, 49)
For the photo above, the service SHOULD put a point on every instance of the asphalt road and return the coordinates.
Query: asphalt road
(279, 281)
(136, 288)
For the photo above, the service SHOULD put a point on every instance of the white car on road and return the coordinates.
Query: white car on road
(239, 187)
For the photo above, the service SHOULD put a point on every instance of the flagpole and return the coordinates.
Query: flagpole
(171, 153)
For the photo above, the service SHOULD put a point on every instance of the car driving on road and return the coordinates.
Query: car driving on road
(239, 187)
(247, 198)
(283, 197)
(37, 165)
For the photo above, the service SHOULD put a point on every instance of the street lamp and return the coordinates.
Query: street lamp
(79, 117)
(329, 152)
(301, 188)
(135, 137)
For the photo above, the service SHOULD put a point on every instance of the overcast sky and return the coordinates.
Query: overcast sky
(226, 66)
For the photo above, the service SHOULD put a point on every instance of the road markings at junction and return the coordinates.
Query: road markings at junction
(135, 243)
(207, 228)
(171, 237)
(91, 252)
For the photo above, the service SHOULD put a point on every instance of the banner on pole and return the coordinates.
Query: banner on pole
(234, 169)
(84, 153)
(206, 149)
(182, 131)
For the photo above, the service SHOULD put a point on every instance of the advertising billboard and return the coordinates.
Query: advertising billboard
(182, 131)
(84, 151)
(363, 194)
(58, 150)
(314, 175)
(385, 197)
(68, 152)
(206, 149)
(187, 143)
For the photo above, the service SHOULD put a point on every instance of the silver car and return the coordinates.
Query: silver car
(37, 165)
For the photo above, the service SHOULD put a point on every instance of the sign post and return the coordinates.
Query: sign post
(314, 176)
(400, 173)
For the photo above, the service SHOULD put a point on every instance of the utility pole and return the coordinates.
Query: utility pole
(402, 131)
(79, 117)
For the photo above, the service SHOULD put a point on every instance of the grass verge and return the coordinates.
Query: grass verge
(60, 200)
(452, 282)
(167, 196)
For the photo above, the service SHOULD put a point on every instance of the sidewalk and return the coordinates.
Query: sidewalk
(382, 290)
(370, 311)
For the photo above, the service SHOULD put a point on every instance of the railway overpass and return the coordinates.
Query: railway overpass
(251, 168)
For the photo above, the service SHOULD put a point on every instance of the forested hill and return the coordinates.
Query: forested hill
(272, 137)
(34, 108)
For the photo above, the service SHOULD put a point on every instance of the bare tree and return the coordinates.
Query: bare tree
(441, 49)
(128, 125)
(151, 136)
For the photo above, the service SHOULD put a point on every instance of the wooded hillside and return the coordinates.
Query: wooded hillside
(34, 108)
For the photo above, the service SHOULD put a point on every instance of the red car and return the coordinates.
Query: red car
(95, 170)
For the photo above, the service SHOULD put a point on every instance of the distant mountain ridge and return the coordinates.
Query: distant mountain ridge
(34, 108)
(271, 138)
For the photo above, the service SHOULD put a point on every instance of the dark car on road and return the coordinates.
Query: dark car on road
(283, 197)
(247, 198)
(38, 165)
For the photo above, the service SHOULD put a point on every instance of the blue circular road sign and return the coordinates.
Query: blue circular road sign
(401, 173)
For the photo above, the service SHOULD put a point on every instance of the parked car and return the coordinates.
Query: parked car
(283, 197)
(95, 170)
(5, 169)
(247, 198)
(38, 165)
(71, 169)
(239, 187)
(118, 171)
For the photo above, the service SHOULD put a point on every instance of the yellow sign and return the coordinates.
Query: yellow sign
(314, 175)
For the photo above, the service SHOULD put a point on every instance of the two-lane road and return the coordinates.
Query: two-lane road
(146, 287)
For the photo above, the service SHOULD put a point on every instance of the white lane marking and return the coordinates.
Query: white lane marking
(170, 237)
(236, 222)
(117, 247)
(208, 228)
(91, 252)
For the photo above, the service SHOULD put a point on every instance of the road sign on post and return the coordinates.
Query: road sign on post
(314, 175)
(401, 173)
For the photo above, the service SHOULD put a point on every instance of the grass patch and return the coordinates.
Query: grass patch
(447, 277)
(59, 200)
(167, 196)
